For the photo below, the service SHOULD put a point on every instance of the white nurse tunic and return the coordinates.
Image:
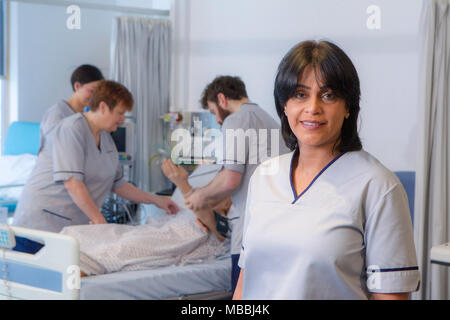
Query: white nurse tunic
(348, 234)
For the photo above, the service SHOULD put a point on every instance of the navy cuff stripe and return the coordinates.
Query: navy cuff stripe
(393, 269)
(68, 172)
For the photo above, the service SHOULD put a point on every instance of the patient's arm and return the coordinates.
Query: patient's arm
(205, 217)
(176, 174)
(208, 219)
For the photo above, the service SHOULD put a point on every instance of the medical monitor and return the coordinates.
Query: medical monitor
(124, 140)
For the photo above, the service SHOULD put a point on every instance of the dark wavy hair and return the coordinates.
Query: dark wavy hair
(336, 71)
(231, 87)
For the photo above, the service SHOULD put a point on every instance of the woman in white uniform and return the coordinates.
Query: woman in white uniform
(79, 166)
(84, 79)
(333, 222)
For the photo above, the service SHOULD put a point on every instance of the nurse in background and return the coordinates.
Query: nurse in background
(84, 80)
(333, 222)
(78, 167)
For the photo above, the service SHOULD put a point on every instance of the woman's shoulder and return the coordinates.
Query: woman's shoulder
(73, 125)
(366, 166)
(76, 120)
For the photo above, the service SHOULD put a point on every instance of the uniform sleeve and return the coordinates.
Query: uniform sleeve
(235, 144)
(390, 252)
(50, 120)
(118, 179)
(247, 217)
(68, 154)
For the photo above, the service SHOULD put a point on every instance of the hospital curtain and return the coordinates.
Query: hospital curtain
(432, 205)
(141, 61)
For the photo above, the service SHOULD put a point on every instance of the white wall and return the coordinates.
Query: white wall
(246, 38)
(45, 53)
(249, 38)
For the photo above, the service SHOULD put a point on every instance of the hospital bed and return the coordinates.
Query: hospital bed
(204, 280)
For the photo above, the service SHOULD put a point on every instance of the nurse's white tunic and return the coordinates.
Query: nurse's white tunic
(349, 233)
(69, 151)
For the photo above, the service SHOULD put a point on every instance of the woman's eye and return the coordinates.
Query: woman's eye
(300, 95)
(328, 96)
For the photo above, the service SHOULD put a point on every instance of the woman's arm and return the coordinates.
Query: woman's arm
(80, 195)
(132, 193)
(390, 296)
(238, 291)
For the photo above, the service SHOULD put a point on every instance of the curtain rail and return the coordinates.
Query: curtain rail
(98, 6)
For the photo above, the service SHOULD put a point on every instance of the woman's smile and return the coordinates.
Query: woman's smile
(312, 124)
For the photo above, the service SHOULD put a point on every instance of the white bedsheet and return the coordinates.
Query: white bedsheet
(15, 170)
(166, 241)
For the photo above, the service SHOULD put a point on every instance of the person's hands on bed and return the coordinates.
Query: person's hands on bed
(166, 204)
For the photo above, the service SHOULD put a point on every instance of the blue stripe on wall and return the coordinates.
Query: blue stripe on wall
(32, 276)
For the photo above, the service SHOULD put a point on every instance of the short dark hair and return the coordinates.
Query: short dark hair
(85, 74)
(336, 71)
(112, 93)
(231, 87)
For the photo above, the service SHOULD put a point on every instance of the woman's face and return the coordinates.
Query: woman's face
(315, 114)
(111, 120)
(84, 91)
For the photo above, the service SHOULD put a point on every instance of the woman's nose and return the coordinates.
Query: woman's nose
(313, 106)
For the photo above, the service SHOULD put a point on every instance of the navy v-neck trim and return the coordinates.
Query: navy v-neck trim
(315, 178)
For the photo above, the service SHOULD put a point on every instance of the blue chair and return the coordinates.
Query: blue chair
(22, 137)
(408, 179)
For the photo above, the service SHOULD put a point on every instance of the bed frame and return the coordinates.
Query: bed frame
(51, 273)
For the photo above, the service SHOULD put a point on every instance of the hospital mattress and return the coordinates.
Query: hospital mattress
(210, 279)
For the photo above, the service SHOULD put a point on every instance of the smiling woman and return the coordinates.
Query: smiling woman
(329, 69)
(315, 114)
(333, 222)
